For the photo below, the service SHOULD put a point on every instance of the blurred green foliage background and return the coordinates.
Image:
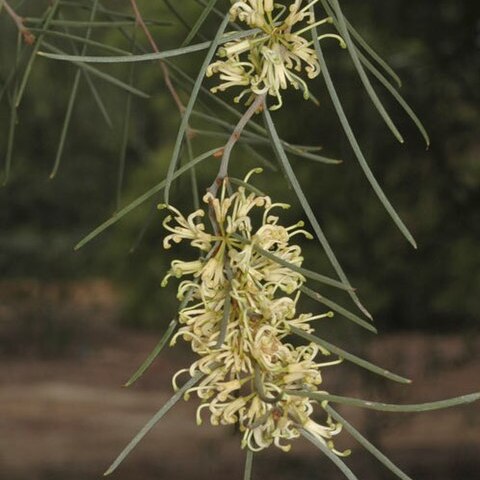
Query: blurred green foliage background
(434, 46)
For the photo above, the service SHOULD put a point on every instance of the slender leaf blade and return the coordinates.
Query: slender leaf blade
(153, 354)
(338, 308)
(152, 422)
(282, 157)
(390, 407)
(139, 200)
(366, 444)
(200, 21)
(191, 103)
(354, 143)
(329, 454)
(350, 357)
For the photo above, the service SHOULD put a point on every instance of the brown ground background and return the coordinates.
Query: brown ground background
(65, 416)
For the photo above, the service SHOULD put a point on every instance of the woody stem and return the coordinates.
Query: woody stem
(235, 136)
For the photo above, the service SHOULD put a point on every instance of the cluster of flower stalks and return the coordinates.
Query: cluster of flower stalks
(239, 307)
(273, 58)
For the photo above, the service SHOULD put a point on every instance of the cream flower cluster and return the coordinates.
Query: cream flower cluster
(272, 59)
(240, 306)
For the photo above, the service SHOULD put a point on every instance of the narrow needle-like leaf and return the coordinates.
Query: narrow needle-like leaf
(373, 54)
(98, 99)
(97, 24)
(389, 407)
(391, 89)
(100, 74)
(153, 355)
(138, 201)
(33, 56)
(178, 15)
(338, 308)
(153, 421)
(191, 103)
(147, 57)
(352, 50)
(80, 39)
(247, 474)
(303, 151)
(125, 132)
(71, 100)
(353, 141)
(200, 21)
(366, 444)
(329, 454)
(13, 115)
(282, 157)
(350, 357)
(247, 186)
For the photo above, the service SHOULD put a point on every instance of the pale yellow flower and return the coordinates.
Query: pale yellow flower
(242, 304)
(273, 59)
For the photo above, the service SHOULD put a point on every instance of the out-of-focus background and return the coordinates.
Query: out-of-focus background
(75, 325)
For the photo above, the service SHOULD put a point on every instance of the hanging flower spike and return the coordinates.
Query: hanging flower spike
(242, 307)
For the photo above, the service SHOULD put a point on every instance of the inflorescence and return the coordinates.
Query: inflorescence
(273, 57)
(240, 308)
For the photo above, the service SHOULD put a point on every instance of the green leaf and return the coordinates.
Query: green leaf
(114, 13)
(366, 444)
(259, 157)
(247, 474)
(303, 151)
(350, 357)
(389, 407)
(98, 99)
(283, 159)
(200, 21)
(329, 454)
(247, 186)
(89, 24)
(138, 201)
(337, 308)
(13, 113)
(188, 110)
(125, 132)
(71, 100)
(178, 15)
(373, 54)
(153, 421)
(78, 38)
(154, 354)
(219, 14)
(28, 69)
(352, 50)
(147, 57)
(193, 176)
(391, 89)
(353, 141)
(66, 124)
(104, 76)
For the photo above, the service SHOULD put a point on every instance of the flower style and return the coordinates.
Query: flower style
(243, 296)
(271, 60)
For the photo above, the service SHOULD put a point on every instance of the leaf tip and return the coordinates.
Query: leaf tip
(108, 472)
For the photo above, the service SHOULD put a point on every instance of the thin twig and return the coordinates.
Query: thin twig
(28, 36)
(165, 71)
(226, 151)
